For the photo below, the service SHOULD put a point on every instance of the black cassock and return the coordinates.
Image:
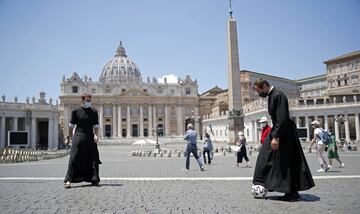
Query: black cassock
(84, 155)
(284, 170)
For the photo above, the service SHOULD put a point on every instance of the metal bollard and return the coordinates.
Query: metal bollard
(224, 152)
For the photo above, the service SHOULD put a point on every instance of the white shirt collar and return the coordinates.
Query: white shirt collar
(272, 87)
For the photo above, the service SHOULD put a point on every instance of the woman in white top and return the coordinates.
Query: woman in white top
(320, 146)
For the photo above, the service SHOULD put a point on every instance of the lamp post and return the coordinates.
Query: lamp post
(341, 120)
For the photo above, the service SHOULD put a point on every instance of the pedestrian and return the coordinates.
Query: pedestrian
(281, 165)
(265, 129)
(191, 147)
(333, 152)
(242, 151)
(320, 145)
(207, 148)
(84, 155)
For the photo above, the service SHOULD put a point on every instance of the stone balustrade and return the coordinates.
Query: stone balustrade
(13, 155)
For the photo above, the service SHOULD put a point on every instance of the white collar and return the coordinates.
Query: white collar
(272, 87)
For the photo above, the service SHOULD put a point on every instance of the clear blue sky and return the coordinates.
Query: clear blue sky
(41, 40)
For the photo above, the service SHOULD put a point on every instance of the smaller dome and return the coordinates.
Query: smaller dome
(121, 69)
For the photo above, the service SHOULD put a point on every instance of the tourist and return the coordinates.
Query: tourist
(191, 146)
(207, 148)
(241, 153)
(320, 145)
(281, 165)
(84, 156)
(333, 152)
(265, 129)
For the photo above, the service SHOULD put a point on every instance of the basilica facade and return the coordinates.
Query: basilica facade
(127, 106)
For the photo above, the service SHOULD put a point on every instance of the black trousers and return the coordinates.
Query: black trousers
(208, 155)
(242, 154)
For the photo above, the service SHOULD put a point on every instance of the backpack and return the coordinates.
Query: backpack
(326, 138)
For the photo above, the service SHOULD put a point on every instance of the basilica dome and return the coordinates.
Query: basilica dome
(121, 69)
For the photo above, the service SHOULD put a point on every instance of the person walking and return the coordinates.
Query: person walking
(191, 147)
(281, 165)
(333, 152)
(207, 148)
(265, 129)
(84, 155)
(320, 145)
(241, 154)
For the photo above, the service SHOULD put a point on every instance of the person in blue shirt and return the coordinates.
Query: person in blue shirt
(207, 148)
(191, 147)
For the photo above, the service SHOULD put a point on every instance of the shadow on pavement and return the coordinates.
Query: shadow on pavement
(304, 198)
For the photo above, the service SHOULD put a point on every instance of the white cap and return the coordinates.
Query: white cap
(263, 120)
(240, 133)
(315, 122)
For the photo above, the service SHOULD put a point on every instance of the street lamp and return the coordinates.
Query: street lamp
(341, 120)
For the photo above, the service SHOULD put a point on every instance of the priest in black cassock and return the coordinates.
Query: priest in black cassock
(281, 165)
(84, 155)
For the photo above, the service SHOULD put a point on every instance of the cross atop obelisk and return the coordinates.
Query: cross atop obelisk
(236, 119)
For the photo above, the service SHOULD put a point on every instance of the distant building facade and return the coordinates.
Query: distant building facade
(130, 108)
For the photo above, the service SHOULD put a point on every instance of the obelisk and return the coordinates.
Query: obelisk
(236, 119)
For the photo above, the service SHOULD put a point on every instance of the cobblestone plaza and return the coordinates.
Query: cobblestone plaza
(160, 185)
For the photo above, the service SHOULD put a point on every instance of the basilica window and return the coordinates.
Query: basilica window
(159, 91)
(187, 91)
(107, 90)
(75, 89)
(123, 90)
(93, 90)
(172, 91)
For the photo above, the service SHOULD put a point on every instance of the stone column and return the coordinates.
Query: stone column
(56, 132)
(2, 132)
(336, 124)
(155, 119)
(347, 129)
(357, 126)
(307, 128)
(50, 133)
(119, 116)
(150, 122)
(197, 122)
(326, 122)
(66, 120)
(255, 131)
(114, 128)
(128, 131)
(251, 131)
(33, 132)
(141, 122)
(15, 127)
(180, 121)
(167, 125)
(101, 121)
(297, 122)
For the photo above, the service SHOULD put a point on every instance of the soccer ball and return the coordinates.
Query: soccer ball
(258, 191)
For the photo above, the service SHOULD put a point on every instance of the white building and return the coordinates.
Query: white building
(129, 107)
(38, 118)
(335, 104)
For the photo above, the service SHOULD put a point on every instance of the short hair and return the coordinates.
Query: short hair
(207, 135)
(84, 95)
(190, 126)
(260, 83)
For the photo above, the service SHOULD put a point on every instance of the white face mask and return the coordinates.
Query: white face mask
(87, 104)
